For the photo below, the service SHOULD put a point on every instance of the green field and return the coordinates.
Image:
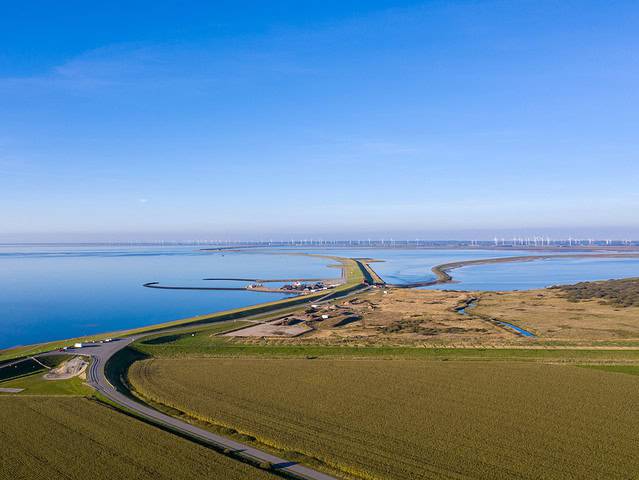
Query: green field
(203, 344)
(408, 419)
(627, 369)
(76, 438)
(36, 385)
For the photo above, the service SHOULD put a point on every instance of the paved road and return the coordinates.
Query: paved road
(96, 378)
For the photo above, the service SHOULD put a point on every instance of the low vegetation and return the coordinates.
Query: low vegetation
(201, 345)
(620, 293)
(35, 384)
(77, 438)
(407, 419)
(553, 317)
(627, 369)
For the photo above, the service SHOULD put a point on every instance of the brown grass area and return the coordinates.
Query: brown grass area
(401, 316)
(551, 316)
(407, 419)
(429, 317)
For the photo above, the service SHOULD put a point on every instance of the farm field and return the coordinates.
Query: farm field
(408, 419)
(76, 438)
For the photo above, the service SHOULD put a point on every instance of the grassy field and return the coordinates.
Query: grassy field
(406, 419)
(75, 438)
(206, 345)
(34, 384)
(626, 369)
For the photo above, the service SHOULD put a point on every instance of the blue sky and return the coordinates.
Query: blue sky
(331, 119)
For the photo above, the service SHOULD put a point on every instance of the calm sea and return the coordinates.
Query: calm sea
(410, 266)
(62, 292)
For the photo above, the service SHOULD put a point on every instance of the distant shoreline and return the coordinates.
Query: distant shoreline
(502, 248)
(443, 277)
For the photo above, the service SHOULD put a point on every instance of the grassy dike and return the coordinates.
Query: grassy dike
(353, 272)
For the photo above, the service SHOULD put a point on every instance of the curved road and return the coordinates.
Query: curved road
(96, 377)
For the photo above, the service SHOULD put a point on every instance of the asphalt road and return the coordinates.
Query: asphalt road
(97, 379)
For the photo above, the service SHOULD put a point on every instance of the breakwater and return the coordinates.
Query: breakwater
(255, 285)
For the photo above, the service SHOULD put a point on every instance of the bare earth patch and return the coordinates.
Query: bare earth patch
(277, 328)
(69, 369)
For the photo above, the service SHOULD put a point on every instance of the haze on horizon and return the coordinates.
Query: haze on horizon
(437, 119)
